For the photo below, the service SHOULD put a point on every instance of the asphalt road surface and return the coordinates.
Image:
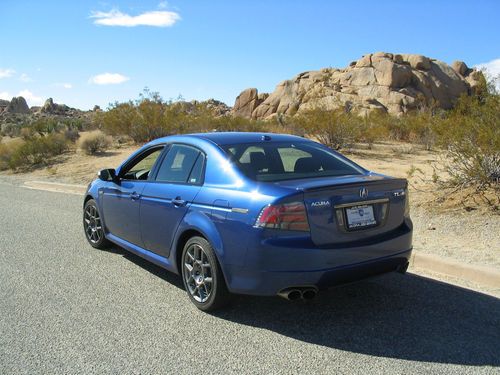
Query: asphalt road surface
(67, 308)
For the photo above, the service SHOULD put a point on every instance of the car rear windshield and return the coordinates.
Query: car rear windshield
(279, 161)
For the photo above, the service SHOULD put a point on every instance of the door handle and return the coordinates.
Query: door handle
(178, 202)
(134, 196)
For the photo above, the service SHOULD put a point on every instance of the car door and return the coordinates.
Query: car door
(121, 198)
(164, 202)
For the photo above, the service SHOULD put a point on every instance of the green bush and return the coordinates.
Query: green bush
(471, 136)
(334, 128)
(6, 152)
(36, 151)
(94, 142)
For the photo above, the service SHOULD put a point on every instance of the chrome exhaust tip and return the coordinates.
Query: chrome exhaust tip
(309, 294)
(290, 294)
(296, 293)
(403, 268)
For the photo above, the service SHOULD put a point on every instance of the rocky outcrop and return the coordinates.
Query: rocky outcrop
(393, 83)
(247, 101)
(3, 104)
(217, 107)
(52, 108)
(17, 105)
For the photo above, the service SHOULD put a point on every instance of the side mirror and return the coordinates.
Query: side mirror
(107, 174)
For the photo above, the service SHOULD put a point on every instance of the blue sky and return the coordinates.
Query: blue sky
(95, 52)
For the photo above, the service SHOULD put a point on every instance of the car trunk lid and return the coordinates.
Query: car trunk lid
(351, 208)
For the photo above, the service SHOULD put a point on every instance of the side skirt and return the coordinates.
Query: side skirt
(143, 253)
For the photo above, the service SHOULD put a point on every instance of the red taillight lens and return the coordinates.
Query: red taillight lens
(286, 216)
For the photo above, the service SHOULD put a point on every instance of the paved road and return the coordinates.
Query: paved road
(67, 308)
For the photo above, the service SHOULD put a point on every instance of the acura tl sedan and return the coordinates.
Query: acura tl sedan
(251, 213)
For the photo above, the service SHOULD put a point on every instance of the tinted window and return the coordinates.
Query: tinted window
(140, 168)
(179, 164)
(196, 175)
(278, 161)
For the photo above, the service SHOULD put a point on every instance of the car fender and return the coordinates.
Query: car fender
(202, 223)
(95, 191)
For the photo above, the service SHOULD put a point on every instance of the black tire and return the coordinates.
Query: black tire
(92, 226)
(206, 296)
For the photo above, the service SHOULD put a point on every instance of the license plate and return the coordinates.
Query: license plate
(360, 216)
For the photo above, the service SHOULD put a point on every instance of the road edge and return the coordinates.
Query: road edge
(481, 275)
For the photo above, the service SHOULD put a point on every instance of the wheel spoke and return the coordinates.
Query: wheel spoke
(198, 274)
(189, 267)
(92, 224)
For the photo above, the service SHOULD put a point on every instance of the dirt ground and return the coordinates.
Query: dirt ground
(442, 226)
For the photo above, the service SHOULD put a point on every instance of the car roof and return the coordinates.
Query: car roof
(226, 138)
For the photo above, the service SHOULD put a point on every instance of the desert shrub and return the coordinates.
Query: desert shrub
(10, 130)
(421, 128)
(398, 129)
(26, 133)
(334, 128)
(45, 125)
(373, 127)
(6, 152)
(471, 136)
(94, 142)
(72, 135)
(37, 150)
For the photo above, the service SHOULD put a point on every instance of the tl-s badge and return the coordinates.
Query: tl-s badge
(363, 192)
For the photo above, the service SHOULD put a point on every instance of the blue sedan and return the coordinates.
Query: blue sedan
(251, 213)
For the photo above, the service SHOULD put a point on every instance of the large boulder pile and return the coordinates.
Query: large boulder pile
(3, 105)
(17, 105)
(392, 83)
(52, 108)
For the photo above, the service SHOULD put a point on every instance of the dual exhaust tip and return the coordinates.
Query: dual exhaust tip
(296, 293)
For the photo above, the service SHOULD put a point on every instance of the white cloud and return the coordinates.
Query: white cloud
(25, 78)
(108, 79)
(6, 73)
(30, 97)
(157, 18)
(64, 85)
(492, 70)
(4, 95)
(162, 5)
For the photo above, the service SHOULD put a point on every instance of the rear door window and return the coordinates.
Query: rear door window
(182, 164)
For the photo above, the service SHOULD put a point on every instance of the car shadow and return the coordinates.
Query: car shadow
(152, 268)
(396, 316)
(406, 317)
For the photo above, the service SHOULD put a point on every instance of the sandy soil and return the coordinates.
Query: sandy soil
(442, 226)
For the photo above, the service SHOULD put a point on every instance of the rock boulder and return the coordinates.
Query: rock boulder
(394, 83)
(18, 105)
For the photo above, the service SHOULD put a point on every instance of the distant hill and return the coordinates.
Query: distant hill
(392, 83)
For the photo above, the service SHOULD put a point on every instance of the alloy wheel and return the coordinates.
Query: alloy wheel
(198, 273)
(92, 223)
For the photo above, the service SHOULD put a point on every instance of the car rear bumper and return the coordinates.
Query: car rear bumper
(270, 268)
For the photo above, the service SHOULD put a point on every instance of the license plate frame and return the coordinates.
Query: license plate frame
(359, 217)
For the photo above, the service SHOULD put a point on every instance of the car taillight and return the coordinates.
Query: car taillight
(285, 216)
